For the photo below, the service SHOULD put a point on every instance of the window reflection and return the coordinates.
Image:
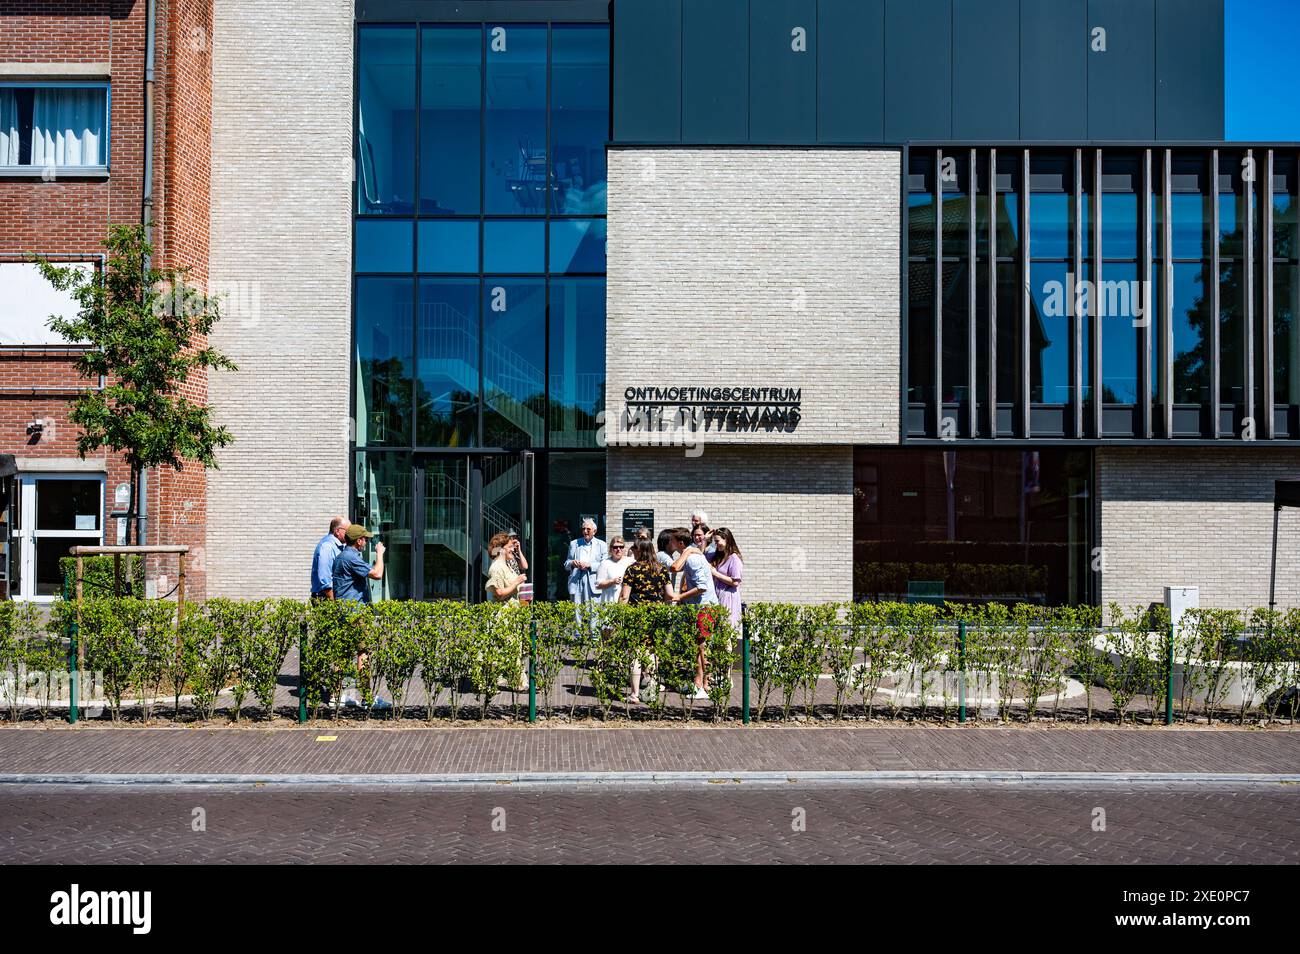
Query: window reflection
(577, 357)
(514, 362)
(383, 340)
(385, 120)
(579, 118)
(976, 526)
(447, 363)
(451, 92)
(515, 174)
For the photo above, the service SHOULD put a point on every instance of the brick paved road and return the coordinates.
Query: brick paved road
(935, 823)
(469, 749)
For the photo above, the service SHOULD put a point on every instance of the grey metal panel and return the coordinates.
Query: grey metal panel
(993, 293)
(938, 294)
(1167, 293)
(851, 70)
(918, 69)
(648, 70)
(986, 69)
(1248, 294)
(1094, 311)
(1053, 85)
(1146, 376)
(715, 71)
(972, 265)
(1266, 296)
(1072, 298)
(1122, 80)
(1189, 69)
(782, 82)
(1025, 298)
(1216, 306)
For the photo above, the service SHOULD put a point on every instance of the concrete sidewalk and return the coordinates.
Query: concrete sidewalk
(498, 751)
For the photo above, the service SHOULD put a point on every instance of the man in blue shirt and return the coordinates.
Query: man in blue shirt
(352, 576)
(352, 572)
(322, 563)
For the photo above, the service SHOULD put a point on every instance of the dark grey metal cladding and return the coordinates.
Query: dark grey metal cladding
(851, 71)
(783, 51)
(1189, 69)
(893, 71)
(918, 69)
(1122, 78)
(986, 69)
(715, 71)
(1053, 84)
(648, 43)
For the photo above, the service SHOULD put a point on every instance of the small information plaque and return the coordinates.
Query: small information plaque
(634, 520)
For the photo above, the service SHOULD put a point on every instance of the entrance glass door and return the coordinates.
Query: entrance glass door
(462, 501)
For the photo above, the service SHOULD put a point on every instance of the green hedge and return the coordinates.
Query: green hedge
(97, 575)
(468, 654)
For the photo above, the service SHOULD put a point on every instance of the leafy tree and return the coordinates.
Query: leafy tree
(143, 324)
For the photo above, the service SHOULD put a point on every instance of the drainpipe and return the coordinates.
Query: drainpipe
(146, 209)
(136, 508)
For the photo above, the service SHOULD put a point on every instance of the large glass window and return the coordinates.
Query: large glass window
(386, 120)
(579, 118)
(382, 338)
(1190, 339)
(515, 163)
(447, 363)
(451, 96)
(577, 356)
(62, 126)
(509, 219)
(514, 362)
(973, 525)
(1286, 284)
(1051, 298)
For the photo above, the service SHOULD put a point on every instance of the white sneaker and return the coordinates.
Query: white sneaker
(700, 694)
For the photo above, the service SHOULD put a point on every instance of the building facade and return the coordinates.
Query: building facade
(940, 298)
(104, 120)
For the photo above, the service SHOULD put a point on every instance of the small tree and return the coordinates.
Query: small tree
(143, 325)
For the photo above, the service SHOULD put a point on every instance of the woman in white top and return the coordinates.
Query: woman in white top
(609, 576)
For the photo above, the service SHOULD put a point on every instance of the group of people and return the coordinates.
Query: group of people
(699, 566)
(695, 566)
(340, 571)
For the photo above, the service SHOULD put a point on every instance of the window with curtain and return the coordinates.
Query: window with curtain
(62, 126)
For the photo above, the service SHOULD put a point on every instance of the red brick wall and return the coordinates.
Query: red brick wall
(71, 216)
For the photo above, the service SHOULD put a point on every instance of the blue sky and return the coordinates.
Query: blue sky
(1262, 81)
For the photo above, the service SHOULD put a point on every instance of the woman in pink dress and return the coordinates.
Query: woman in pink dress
(728, 571)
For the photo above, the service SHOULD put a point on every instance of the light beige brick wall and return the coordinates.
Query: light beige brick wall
(281, 202)
(758, 268)
(791, 510)
(1202, 517)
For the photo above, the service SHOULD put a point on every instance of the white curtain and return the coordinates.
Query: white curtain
(68, 127)
(8, 128)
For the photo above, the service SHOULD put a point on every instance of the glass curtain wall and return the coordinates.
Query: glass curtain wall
(973, 525)
(479, 259)
(1128, 293)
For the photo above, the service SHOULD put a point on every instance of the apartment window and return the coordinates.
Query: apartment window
(59, 126)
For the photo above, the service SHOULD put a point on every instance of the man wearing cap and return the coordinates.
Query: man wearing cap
(352, 574)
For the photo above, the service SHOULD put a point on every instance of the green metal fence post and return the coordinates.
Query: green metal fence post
(302, 679)
(961, 670)
(744, 665)
(72, 662)
(1169, 671)
(532, 670)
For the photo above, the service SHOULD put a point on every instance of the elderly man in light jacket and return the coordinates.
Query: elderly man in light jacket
(586, 554)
